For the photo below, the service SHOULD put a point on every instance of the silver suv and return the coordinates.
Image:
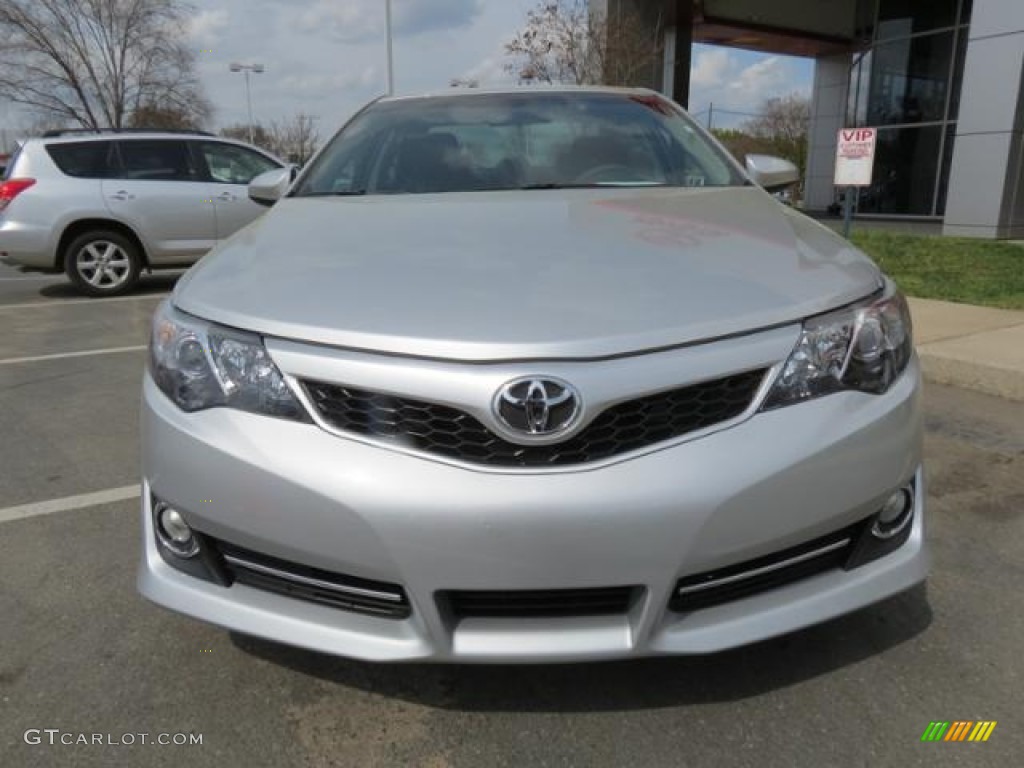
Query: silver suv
(103, 207)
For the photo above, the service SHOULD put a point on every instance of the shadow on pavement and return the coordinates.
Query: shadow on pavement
(161, 282)
(623, 685)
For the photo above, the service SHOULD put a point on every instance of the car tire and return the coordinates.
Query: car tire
(103, 262)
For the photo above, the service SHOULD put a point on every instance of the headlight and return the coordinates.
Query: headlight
(200, 365)
(862, 348)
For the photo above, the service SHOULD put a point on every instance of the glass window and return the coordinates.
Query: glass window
(83, 159)
(909, 80)
(8, 171)
(899, 18)
(231, 164)
(857, 96)
(965, 11)
(157, 160)
(515, 141)
(906, 163)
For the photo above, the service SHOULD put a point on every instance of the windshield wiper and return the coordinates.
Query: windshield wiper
(597, 185)
(341, 193)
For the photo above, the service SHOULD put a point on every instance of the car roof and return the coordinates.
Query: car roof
(79, 136)
(464, 92)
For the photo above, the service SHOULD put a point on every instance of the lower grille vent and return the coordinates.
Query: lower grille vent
(724, 585)
(546, 603)
(313, 584)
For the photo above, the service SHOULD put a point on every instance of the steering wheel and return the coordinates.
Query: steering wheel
(609, 172)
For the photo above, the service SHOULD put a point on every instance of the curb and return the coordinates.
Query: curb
(970, 347)
(968, 374)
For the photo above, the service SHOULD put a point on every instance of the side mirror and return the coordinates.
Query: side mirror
(267, 188)
(772, 173)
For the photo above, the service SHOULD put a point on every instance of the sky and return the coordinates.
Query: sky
(326, 58)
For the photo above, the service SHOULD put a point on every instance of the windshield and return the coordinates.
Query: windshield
(517, 141)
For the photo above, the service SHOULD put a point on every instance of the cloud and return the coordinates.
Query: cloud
(413, 17)
(760, 79)
(306, 84)
(205, 27)
(738, 82)
(489, 71)
(710, 68)
(357, 21)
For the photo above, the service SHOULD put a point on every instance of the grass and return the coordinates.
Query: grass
(986, 272)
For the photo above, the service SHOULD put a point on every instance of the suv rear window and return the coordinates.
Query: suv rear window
(84, 159)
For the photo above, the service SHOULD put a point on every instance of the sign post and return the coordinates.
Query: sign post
(855, 160)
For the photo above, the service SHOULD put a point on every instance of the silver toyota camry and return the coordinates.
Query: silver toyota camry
(530, 375)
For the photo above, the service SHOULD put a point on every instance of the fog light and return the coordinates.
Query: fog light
(174, 533)
(895, 514)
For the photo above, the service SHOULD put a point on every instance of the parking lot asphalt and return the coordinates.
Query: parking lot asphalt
(82, 653)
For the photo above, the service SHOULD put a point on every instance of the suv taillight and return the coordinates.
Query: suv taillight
(11, 188)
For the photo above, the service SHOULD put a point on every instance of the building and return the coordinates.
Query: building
(942, 80)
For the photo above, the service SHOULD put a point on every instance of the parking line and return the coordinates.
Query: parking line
(69, 503)
(70, 302)
(62, 355)
(53, 278)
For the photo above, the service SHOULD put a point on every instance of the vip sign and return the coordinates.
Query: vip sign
(855, 157)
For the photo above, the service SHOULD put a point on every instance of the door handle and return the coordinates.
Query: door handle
(122, 195)
(226, 197)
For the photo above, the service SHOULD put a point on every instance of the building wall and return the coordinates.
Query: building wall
(986, 188)
(828, 115)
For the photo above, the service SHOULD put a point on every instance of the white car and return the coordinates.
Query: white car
(530, 375)
(104, 206)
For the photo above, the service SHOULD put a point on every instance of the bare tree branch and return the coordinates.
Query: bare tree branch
(96, 62)
(294, 140)
(564, 41)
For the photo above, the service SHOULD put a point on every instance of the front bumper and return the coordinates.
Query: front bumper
(295, 492)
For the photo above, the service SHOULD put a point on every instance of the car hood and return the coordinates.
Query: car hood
(526, 274)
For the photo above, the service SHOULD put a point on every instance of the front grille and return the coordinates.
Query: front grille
(451, 433)
(704, 590)
(313, 584)
(542, 603)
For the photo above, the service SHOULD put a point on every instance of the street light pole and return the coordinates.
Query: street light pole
(248, 103)
(246, 69)
(391, 61)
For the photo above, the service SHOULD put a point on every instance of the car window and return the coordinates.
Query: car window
(231, 164)
(84, 159)
(8, 171)
(517, 141)
(157, 160)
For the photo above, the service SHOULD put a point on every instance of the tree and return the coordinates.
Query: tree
(294, 140)
(154, 116)
(260, 135)
(740, 143)
(95, 63)
(565, 41)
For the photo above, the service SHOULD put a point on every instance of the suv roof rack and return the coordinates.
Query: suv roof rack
(53, 134)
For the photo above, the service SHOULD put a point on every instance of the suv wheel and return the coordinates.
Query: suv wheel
(103, 263)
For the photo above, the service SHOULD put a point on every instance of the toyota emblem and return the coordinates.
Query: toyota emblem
(537, 406)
